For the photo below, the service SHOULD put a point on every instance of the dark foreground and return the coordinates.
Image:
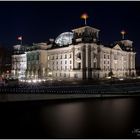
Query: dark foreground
(85, 118)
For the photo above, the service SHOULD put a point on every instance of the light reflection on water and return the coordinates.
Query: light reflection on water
(97, 118)
(89, 118)
(65, 119)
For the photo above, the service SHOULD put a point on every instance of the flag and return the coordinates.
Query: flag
(20, 38)
(84, 16)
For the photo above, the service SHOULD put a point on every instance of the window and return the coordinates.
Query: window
(65, 62)
(108, 56)
(48, 57)
(75, 76)
(70, 67)
(79, 65)
(65, 56)
(70, 61)
(61, 62)
(65, 67)
(70, 55)
(79, 55)
(104, 56)
(57, 62)
(64, 74)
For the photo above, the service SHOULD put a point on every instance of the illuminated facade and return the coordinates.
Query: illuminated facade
(19, 62)
(80, 54)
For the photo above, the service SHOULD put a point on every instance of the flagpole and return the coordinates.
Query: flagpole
(84, 16)
(85, 21)
(21, 42)
(122, 36)
(123, 33)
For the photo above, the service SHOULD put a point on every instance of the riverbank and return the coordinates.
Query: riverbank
(37, 97)
(31, 92)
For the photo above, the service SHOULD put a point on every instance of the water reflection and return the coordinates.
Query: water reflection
(64, 119)
(97, 118)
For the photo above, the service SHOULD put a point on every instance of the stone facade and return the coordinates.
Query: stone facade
(81, 55)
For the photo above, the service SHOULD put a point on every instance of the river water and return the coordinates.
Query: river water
(84, 118)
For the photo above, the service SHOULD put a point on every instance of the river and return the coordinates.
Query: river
(83, 118)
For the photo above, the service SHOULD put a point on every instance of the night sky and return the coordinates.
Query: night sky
(39, 21)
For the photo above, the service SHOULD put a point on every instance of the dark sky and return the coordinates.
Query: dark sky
(39, 21)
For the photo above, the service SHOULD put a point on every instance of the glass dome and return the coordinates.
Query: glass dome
(64, 39)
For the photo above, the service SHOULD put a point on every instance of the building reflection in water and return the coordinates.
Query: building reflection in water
(107, 118)
(65, 119)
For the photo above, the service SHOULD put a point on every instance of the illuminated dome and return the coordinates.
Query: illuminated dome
(64, 39)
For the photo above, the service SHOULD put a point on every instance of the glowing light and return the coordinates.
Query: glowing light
(29, 81)
(50, 73)
(121, 79)
(123, 33)
(43, 80)
(34, 81)
(109, 77)
(84, 16)
(20, 38)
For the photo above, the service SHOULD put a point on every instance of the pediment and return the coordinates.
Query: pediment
(117, 47)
